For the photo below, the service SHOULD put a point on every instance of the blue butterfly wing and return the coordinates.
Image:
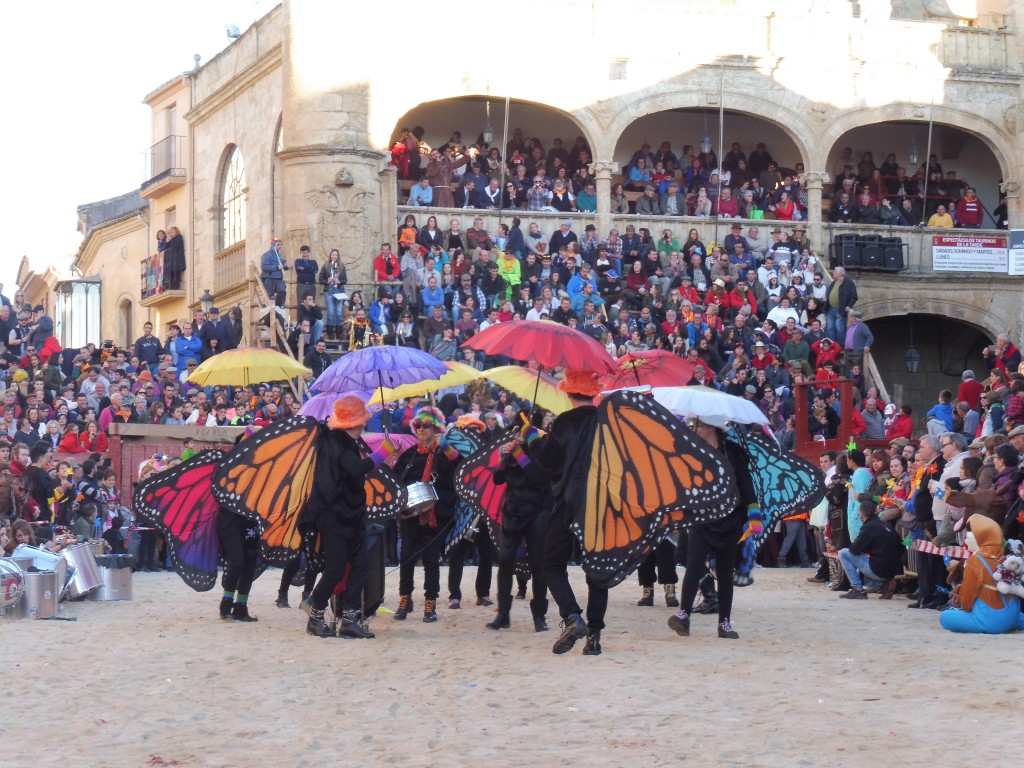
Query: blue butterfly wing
(466, 441)
(465, 514)
(784, 482)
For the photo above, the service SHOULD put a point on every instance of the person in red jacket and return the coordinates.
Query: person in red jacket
(970, 390)
(969, 212)
(386, 267)
(902, 425)
(825, 351)
(70, 442)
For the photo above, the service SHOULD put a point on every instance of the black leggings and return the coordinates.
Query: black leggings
(289, 573)
(426, 543)
(697, 552)
(558, 551)
(533, 533)
(660, 561)
(342, 546)
(457, 559)
(240, 544)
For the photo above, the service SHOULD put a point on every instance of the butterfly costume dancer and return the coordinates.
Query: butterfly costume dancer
(336, 508)
(434, 460)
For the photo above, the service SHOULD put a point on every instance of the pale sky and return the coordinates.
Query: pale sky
(74, 77)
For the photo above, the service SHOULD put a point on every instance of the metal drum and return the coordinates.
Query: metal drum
(42, 593)
(116, 571)
(98, 547)
(43, 560)
(87, 577)
(12, 584)
(422, 497)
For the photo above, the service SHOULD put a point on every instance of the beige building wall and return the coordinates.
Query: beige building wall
(113, 251)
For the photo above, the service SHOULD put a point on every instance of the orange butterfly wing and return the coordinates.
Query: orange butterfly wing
(385, 498)
(646, 470)
(268, 477)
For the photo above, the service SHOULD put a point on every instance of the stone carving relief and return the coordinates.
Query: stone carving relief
(1010, 119)
(343, 222)
(819, 112)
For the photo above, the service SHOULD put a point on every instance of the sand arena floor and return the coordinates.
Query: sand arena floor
(813, 681)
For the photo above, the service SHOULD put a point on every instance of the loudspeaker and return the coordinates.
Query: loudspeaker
(892, 257)
(871, 255)
(847, 251)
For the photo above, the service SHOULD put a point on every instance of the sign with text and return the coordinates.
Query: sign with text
(1016, 256)
(964, 253)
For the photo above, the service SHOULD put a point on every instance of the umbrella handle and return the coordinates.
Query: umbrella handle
(386, 419)
(536, 389)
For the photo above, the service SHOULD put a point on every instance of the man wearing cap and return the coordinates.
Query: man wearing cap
(783, 249)
(215, 328)
(559, 452)
(648, 204)
(336, 510)
(562, 236)
(1016, 436)
(272, 269)
(41, 327)
(800, 241)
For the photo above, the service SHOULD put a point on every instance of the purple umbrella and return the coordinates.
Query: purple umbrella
(320, 406)
(379, 367)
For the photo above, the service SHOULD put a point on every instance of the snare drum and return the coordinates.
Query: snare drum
(422, 496)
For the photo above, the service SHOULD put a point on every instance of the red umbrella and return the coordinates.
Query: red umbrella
(655, 368)
(549, 344)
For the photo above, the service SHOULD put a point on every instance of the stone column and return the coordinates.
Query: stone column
(603, 171)
(815, 179)
(1013, 203)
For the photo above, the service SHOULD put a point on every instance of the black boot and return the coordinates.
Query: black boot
(540, 624)
(648, 597)
(282, 600)
(404, 606)
(501, 621)
(351, 627)
(316, 625)
(593, 644)
(709, 604)
(573, 628)
(225, 607)
(240, 612)
(429, 610)
(680, 622)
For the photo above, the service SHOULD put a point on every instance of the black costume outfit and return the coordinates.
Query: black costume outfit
(560, 452)
(524, 518)
(719, 538)
(240, 544)
(419, 537)
(485, 562)
(337, 508)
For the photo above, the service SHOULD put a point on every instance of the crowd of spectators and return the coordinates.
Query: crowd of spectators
(691, 183)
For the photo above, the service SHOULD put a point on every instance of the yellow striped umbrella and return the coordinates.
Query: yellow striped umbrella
(523, 383)
(241, 367)
(458, 373)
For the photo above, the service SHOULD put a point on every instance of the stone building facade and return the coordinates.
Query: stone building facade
(313, 95)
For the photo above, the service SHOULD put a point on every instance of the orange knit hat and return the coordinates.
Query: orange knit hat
(581, 383)
(349, 411)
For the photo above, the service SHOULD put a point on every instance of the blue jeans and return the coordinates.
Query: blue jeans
(316, 332)
(836, 325)
(858, 569)
(335, 308)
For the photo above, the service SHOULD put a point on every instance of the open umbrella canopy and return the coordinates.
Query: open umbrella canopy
(709, 405)
(322, 405)
(655, 368)
(458, 373)
(550, 345)
(373, 367)
(241, 367)
(543, 392)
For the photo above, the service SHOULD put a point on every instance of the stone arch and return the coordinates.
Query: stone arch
(231, 168)
(580, 122)
(125, 320)
(990, 134)
(618, 114)
(941, 305)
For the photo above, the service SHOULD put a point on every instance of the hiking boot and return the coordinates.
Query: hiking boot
(671, 601)
(485, 601)
(351, 627)
(501, 621)
(454, 604)
(225, 607)
(429, 610)
(855, 594)
(282, 602)
(573, 628)
(540, 624)
(816, 580)
(707, 606)
(726, 631)
(316, 626)
(648, 598)
(404, 606)
(240, 612)
(680, 623)
(593, 644)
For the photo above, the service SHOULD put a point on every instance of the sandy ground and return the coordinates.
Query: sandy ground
(813, 681)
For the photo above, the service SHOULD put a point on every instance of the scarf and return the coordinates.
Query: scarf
(429, 517)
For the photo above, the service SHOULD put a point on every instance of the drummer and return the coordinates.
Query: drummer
(431, 460)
